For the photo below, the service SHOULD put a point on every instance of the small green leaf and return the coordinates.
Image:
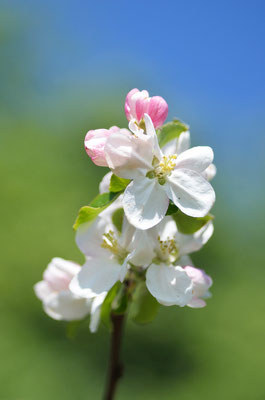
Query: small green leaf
(89, 213)
(189, 225)
(117, 218)
(170, 131)
(144, 306)
(118, 184)
(172, 208)
(106, 307)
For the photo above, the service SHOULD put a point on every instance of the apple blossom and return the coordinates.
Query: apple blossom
(157, 178)
(107, 258)
(139, 103)
(131, 234)
(58, 301)
(164, 242)
(95, 142)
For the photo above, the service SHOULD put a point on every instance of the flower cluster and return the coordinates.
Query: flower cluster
(137, 235)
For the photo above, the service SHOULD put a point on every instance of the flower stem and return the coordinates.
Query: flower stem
(115, 369)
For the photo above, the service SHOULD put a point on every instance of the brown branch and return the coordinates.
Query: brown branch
(115, 369)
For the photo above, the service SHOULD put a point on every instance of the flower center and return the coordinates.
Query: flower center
(168, 250)
(162, 169)
(110, 243)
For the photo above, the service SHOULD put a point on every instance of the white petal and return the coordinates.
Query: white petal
(89, 237)
(105, 182)
(178, 145)
(142, 247)
(145, 203)
(95, 311)
(197, 158)
(210, 172)
(95, 277)
(190, 192)
(183, 142)
(134, 127)
(66, 306)
(150, 131)
(169, 284)
(189, 243)
(42, 290)
(167, 228)
(129, 156)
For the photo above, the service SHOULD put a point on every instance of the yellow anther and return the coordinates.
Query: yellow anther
(110, 243)
(168, 250)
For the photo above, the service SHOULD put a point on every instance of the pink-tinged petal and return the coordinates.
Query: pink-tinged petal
(94, 145)
(95, 141)
(145, 203)
(201, 282)
(138, 103)
(196, 159)
(66, 306)
(170, 285)
(158, 110)
(130, 104)
(59, 273)
(96, 276)
(195, 302)
(129, 156)
(190, 192)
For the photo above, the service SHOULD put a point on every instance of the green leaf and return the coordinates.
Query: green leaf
(172, 208)
(106, 307)
(117, 218)
(170, 131)
(118, 184)
(89, 213)
(189, 225)
(144, 306)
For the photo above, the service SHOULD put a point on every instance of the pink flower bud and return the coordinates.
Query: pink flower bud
(139, 103)
(201, 282)
(95, 143)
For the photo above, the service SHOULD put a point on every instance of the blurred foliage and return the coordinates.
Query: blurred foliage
(46, 176)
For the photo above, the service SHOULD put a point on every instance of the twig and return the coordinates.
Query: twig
(115, 370)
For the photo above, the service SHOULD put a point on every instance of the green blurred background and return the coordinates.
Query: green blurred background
(65, 69)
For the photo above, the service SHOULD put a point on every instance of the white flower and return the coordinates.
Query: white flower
(58, 301)
(164, 242)
(107, 258)
(156, 178)
(163, 246)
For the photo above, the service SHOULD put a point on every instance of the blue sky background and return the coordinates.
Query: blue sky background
(205, 58)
